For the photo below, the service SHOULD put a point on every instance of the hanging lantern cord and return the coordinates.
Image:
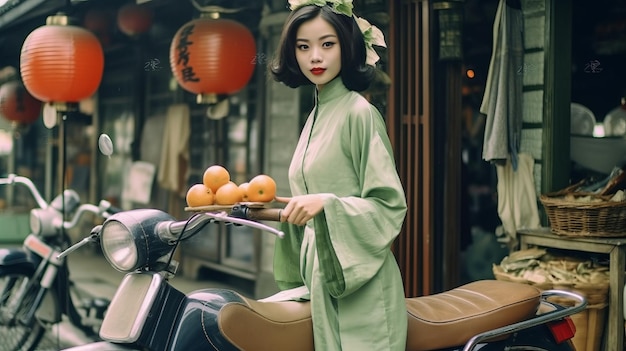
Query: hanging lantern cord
(214, 9)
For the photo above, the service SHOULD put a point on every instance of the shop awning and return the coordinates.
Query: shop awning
(14, 12)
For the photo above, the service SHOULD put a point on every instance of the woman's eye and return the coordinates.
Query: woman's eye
(302, 47)
(328, 44)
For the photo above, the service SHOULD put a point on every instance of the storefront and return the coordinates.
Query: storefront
(420, 93)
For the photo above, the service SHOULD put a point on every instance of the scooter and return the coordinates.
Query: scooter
(35, 287)
(147, 313)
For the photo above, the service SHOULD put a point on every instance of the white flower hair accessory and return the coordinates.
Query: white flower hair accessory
(342, 7)
(372, 36)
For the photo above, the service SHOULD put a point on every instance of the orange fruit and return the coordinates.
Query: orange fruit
(244, 191)
(199, 195)
(228, 194)
(215, 176)
(262, 188)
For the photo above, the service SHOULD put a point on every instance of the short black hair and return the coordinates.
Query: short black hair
(355, 73)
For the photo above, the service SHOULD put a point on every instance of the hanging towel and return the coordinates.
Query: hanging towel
(173, 168)
(502, 102)
(138, 187)
(517, 197)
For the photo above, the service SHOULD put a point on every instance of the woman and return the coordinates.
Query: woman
(348, 203)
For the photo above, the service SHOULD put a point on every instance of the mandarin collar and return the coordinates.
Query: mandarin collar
(332, 90)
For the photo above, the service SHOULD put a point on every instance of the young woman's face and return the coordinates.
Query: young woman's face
(317, 51)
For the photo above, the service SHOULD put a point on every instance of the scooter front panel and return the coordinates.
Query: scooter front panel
(198, 327)
(130, 307)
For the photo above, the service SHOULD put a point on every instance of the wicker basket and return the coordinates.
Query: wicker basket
(569, 217)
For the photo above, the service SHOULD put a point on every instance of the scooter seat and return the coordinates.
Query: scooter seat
(16, 260)
(435, 322)
(453, 317)
(267, 326)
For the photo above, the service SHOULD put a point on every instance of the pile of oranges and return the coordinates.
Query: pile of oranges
(217, 189)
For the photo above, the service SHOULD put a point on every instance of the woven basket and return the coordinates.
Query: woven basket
(569, 217)
(596, 294)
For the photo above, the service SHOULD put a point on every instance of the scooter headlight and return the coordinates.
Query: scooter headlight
(129, 240)
(35, 222)
(45, 222)
(119, 247)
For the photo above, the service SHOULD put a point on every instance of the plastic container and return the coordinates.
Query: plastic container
(615, 121)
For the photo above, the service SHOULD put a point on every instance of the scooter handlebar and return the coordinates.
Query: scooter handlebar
(249, 216)
(13, 179)
(256, 214)
(170, 231)
(104, 209)
(100, 210)
(47, 222)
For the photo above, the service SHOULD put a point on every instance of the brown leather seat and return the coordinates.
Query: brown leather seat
(453, 317)
(268, 326)
(438, 321)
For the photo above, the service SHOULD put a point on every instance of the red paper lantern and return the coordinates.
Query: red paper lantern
(61, 63)
(212, 57)
(17, 105)
(133, 19)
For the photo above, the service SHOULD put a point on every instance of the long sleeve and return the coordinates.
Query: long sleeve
(287, 257)
(354, 233)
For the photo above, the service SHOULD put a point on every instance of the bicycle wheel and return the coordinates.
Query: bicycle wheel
(16, 335)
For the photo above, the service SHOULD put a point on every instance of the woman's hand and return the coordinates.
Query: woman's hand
(300, 209)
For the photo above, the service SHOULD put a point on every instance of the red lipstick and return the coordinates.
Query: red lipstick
(317, 70)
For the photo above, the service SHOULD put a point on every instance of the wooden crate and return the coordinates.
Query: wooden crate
(589, 323)
(589, 328)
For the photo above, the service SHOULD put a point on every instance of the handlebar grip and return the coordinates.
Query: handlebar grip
(264, 214)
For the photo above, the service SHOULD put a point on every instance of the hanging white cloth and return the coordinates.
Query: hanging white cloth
(138, 185)
(502, 102)
(173, 168)
(517, 197)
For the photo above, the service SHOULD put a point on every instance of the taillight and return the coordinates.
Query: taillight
(562, 330)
